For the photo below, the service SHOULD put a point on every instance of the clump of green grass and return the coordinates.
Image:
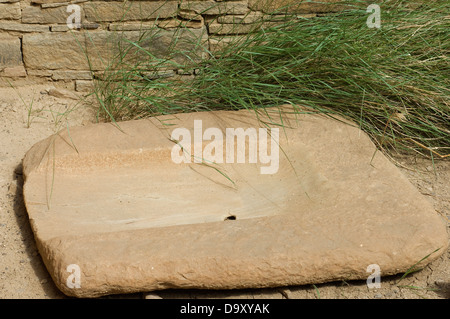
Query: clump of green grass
(393, 81)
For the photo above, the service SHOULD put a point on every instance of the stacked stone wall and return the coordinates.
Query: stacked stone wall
(36, 40)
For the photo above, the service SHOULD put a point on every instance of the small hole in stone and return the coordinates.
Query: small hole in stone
(231, 217)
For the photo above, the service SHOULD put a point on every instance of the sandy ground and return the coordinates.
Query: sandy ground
(29, 114)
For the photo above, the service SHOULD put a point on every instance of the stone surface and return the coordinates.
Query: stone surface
(10, 52)
(40, 73)
(35, 14)
(215, 8)
(23, 27)
(14, 72)
(190, 15)
(63, 3)
(62, 93)
(56, 51)
(228, 29)
(112, 213)
(151, 25)
(241, 19)
(176, 23)
(218, 44)
(84, 86)
(10, 11)
(66, 28)
(101, 11)
(71, 75)
(48, 1)
(130, 11)
(66, 50)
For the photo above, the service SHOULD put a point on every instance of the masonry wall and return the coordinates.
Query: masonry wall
(37, 43)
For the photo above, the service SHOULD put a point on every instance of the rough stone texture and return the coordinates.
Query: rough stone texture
(165, 24)
(131, 11)
(10, 11)
(23, 27)
(10, 53)
(190, 15)
(68, 51)
(61, 93)
(176, 23)
(99, 11)
(215, 8)
(213, 17)
(225, 29)
(66, 28)
(65, 3)
(14, 72)
(48, 1)
(112, 202)
(241, 19)
(217, 44)
(83, 86)
(48, 15)
(40, 73)
(71, 75)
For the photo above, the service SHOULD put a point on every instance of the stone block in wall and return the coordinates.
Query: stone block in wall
(295, 6)
(102, 11)
(99, 11)
(60, 28)
(14, 72)
(71, 75)
(251, 17)
(10, 52)
(215, 8)
(153, 75)
(36, 14)
(190, 15)
(58, 75)
(84, 86)
(18, 27)
(65, 27)
(49, 1)
(165, 24)
(224, 29)
(39, 73)
(72, 51)
(218, 44)
(62, 3)
(176, 23)
(67, 50)
(130, 26)
(10, 11)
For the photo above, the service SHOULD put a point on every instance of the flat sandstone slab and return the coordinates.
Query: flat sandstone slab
(112, 211)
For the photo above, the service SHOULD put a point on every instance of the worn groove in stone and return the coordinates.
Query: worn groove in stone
(112, 202)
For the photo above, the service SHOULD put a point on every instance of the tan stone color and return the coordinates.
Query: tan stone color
(10, 11)
(112, 202)
(14, 72)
